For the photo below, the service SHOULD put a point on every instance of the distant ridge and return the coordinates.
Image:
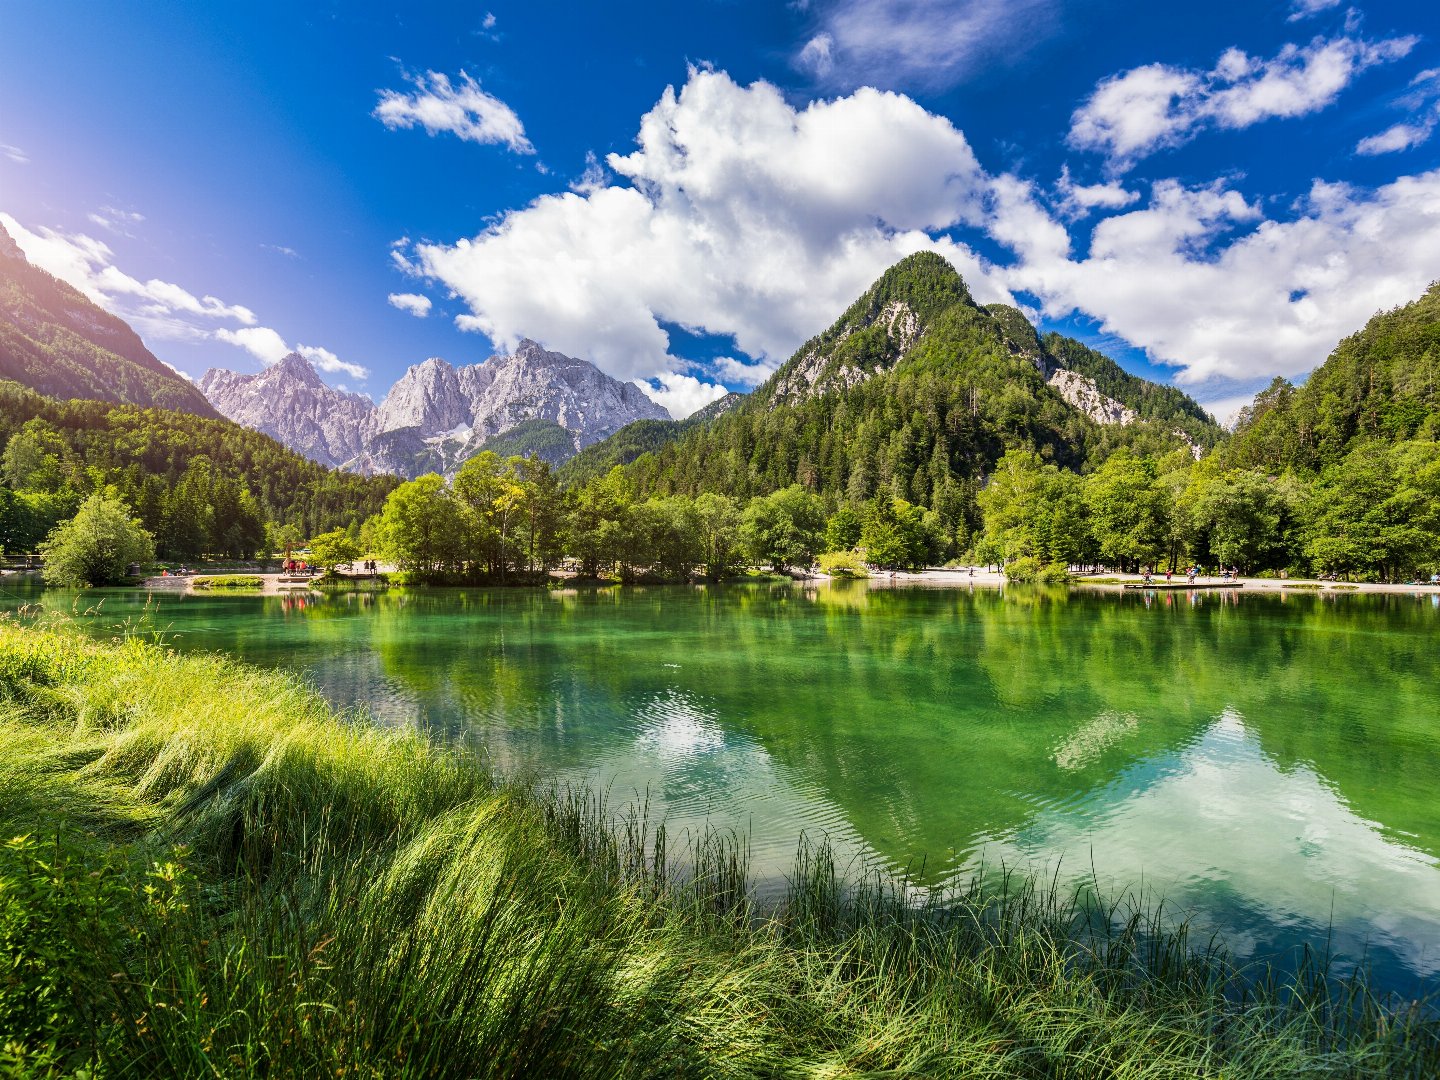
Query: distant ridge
(56, 341)
(436, 415)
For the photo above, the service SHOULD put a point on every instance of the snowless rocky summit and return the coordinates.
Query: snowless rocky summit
(436, 415)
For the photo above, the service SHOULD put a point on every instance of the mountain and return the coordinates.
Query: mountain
(640, 437)
(436, 415)
(1380, 385)
(294, 406)
(916, 391)
(56, 341)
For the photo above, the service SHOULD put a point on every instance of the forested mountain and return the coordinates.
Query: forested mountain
(916, 392)
(54, 340)
(199, 484)
(640, 437)
(1381, 384)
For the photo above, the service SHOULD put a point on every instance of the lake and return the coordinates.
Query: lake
(1269, 764)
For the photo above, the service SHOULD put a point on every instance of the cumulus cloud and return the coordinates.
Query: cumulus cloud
(156, 308)
(267, 346)
(742, 373)
(743, 217)
(414, 303)
(680, 395)
(1202, 280)
(1154, 107)
(929, 44)
(462, 109)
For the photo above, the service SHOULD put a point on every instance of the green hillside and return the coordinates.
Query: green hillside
(916, 392)
(198, 484)
(54, 340)
(1381, 384)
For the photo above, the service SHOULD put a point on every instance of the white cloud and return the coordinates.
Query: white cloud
(414, 303)
(681, 395)
(1397, 137)
(741, 373)
(743, 217)
(593, 179)
(464, 110)
(326, 360)
(158, 309)
(267, 346)
(1303, 9)
(930, 44)
(489, 21)
(1421, 103)
(1201, 280)
(1156, 106)
(261, 342)
(1077, 200)
(15, 154)
(281, 249)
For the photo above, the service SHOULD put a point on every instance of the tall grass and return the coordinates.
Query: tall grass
(224, 877)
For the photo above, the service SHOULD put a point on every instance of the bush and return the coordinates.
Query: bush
(229, 581)
(843, 564)
(1023, 570)
(1055, 573)
(96, 546)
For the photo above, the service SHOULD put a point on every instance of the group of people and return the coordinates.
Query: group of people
(1191, 573)
(296, 566)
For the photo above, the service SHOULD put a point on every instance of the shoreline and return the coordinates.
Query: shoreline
(928, 578)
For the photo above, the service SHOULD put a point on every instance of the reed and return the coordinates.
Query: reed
(218, 875)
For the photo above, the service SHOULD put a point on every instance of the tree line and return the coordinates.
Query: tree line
(1374, 514)
(508, 520)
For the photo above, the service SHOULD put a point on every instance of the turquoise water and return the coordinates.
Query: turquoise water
(1269, 764)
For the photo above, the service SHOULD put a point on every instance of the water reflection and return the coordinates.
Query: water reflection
(1261, 853)
(1262, 760)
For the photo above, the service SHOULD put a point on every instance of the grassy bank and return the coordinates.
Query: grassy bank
(216, 875)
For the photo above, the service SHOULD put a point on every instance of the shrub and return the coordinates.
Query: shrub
(1055, 573)
(1023, 569)
(843, 564)
(229, 581)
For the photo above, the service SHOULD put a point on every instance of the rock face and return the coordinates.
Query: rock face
(436, 415)
(1083, 394)
(829, 366)
(294, 406)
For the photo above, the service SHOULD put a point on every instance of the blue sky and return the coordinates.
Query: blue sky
(685, 193)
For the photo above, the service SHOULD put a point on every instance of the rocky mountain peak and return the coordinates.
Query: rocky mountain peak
(295, 366)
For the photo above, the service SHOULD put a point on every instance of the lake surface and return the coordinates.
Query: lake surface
(1268, 764)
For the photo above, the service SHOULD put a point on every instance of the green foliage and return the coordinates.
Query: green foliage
(173, 467)
(894, 535)
(947, 388)
(233, 582)
(784, 529)
(97, 545)
(1023, 570)
(351, 901)
(55, 340)
(333, 549)
(843, 564)
(1380, 384)
(543, 439)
